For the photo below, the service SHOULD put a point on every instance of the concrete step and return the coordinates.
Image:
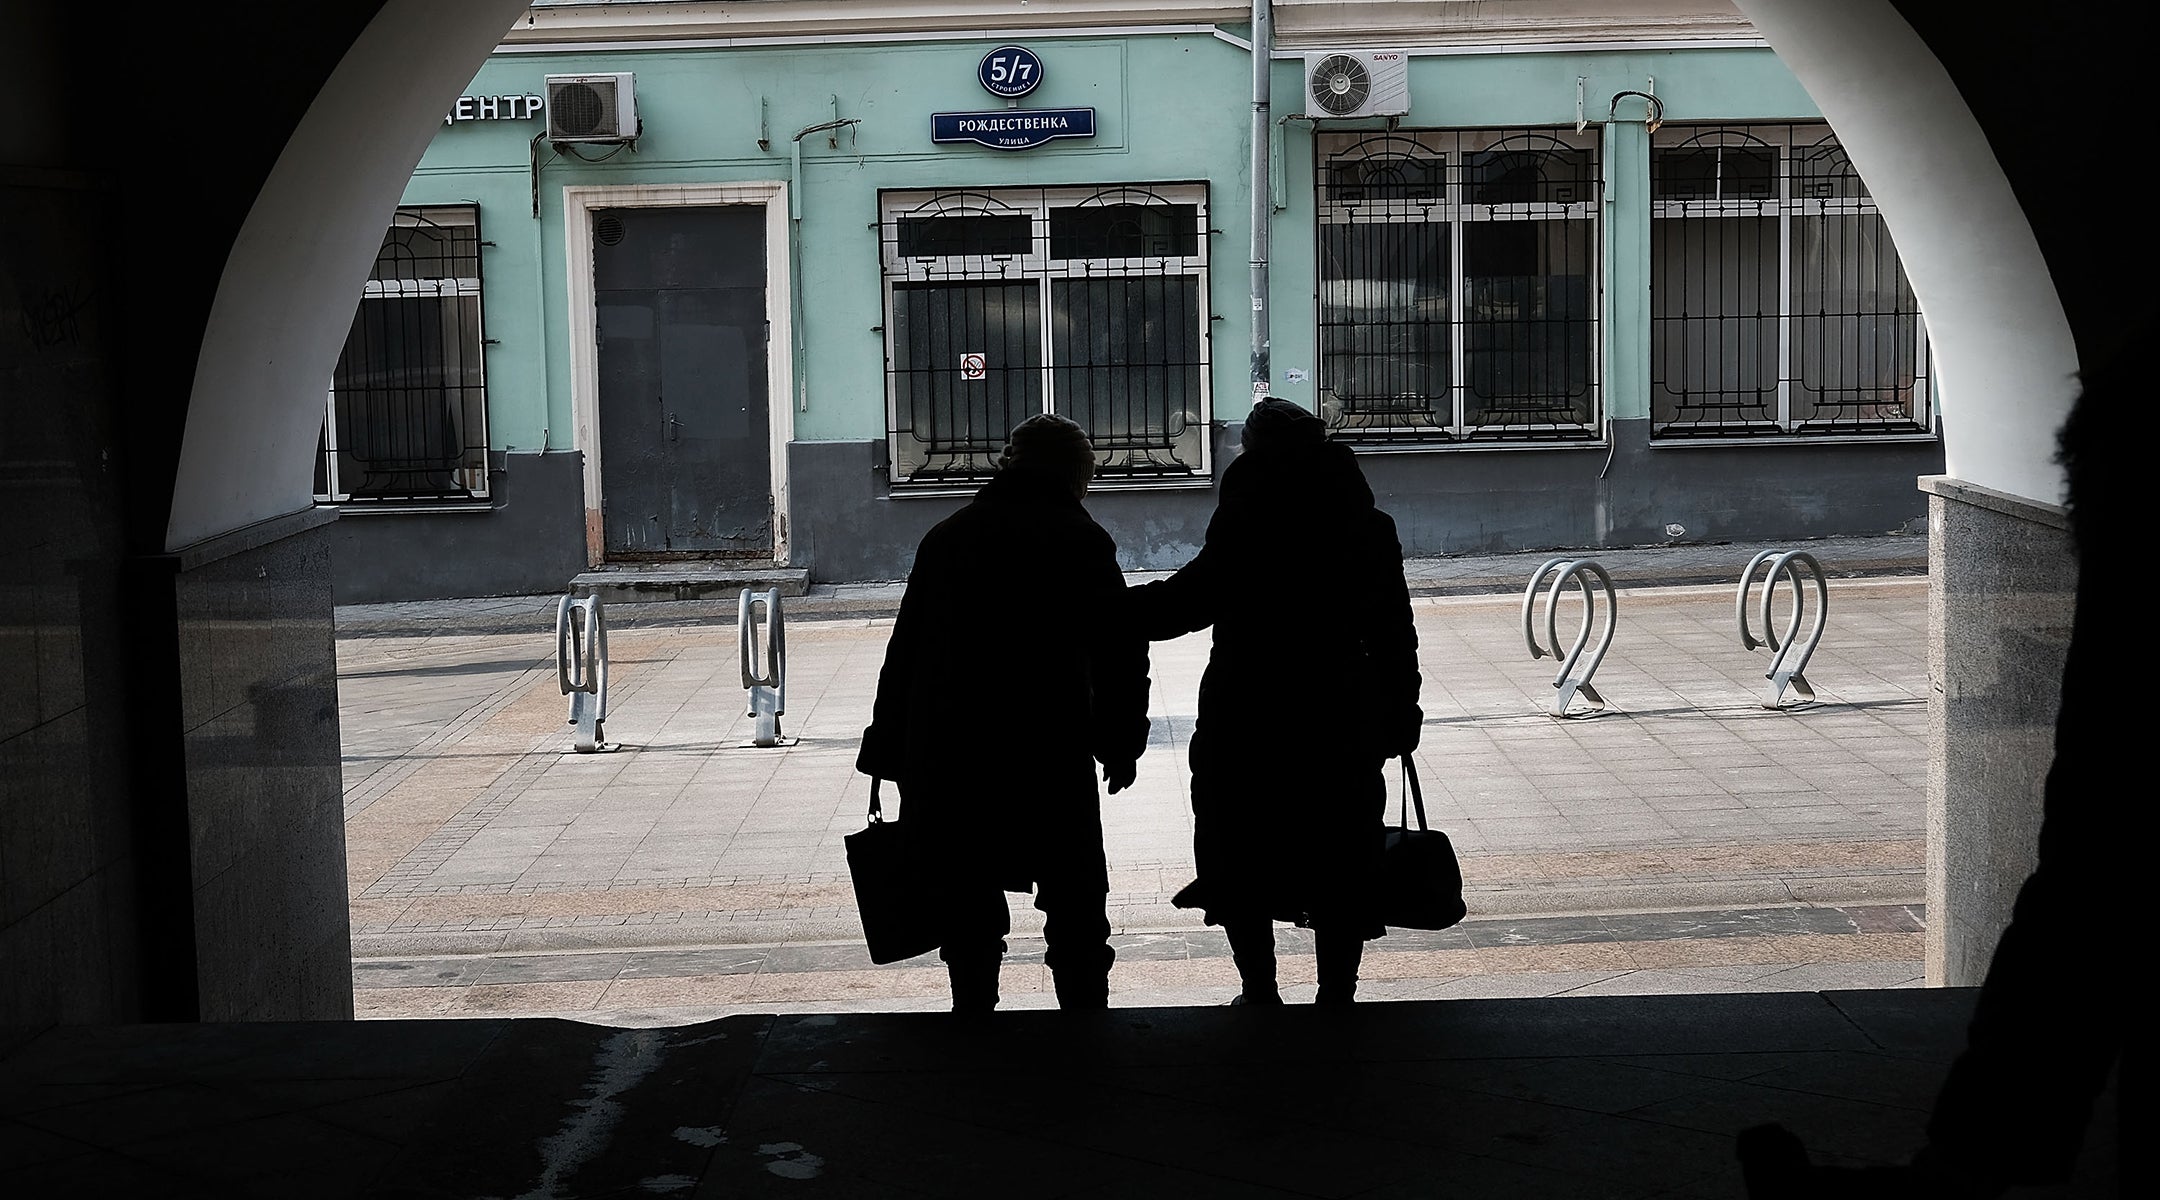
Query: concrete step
(632, 583)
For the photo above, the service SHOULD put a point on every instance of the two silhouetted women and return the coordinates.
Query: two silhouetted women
(1019, 660)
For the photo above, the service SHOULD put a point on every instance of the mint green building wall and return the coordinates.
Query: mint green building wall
(700, 111)
(702, 116)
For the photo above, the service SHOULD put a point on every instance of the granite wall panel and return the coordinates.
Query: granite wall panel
(2002, 589)
(258, 670)
(67, 875)
(138, 685)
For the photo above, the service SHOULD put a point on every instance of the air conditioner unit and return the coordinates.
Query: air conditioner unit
(1357, 83)
(591, 108)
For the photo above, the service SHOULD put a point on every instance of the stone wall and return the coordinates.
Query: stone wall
(2002, 588)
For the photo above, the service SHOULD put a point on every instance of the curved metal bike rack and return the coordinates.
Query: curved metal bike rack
(1575, 668)
(581, 667)
(1793, 650)
(764, 662)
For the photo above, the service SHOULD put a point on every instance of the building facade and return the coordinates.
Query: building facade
(1577, 281)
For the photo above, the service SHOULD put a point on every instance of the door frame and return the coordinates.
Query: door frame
(579, 205)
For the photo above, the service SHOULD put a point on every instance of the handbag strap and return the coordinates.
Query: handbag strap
(877, 811)
(1412, 794)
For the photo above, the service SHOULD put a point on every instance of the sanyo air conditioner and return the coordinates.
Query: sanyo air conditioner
(591, 108)
(1357, 83)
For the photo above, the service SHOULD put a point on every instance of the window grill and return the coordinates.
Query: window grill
(1459, 286)
(1088, 302)
(1778, 306)
(407, 410)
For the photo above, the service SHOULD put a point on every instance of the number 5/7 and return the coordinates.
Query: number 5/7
(1003, 69)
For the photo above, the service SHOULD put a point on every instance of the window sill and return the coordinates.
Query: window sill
(1192, 483)
(1821, 439)
(1386, 448)
(347, 509)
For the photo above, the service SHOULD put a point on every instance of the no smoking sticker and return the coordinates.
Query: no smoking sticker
(974, 365)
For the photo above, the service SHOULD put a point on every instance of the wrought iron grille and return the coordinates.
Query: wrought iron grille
(407, 417)
(1778, 306)
(1089, 302)
(1459, 285)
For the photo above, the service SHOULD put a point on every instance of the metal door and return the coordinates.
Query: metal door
(685, 445)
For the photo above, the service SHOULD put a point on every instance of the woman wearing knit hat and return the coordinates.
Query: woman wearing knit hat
(1301, 705)
(1007, 678)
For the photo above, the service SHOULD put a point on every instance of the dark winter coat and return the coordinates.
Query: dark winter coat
(1007, 678)
(1311, 686)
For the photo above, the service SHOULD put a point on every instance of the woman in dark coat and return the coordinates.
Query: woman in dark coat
(1311, 687)
(1008, 677)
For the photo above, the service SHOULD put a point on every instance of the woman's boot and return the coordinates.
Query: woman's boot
(1339, 955)
(974, 975)
(1252, 947)
(1082, 986)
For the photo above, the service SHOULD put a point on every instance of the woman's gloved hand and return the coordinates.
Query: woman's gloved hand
(1400, 730)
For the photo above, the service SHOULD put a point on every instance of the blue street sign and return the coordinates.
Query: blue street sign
(1013, 128)
(1009, 71)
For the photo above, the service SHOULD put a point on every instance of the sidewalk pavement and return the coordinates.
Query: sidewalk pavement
(1688, 840)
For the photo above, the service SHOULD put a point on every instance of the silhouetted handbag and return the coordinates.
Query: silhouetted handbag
(1420, 880)
(898, 914)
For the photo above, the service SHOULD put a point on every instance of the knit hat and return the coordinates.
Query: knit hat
(1280, 425)
(1049, 444)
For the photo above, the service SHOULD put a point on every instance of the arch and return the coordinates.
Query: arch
(285, 298)
(286, 292)
(2002, 340)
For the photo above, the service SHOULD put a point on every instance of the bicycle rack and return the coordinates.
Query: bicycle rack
(581, 667)
(1569, 682)
(1793, 652)
(764, 662)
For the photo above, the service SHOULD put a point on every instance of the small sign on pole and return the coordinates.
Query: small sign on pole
(974, 365)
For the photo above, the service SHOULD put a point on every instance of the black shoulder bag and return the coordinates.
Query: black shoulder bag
(1421, 883)
(897, 914)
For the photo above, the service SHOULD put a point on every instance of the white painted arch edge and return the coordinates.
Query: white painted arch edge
(2002, 343)
(286, 296)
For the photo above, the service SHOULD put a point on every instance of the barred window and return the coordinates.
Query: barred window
(407, 415)
(1087, 302)
(1459, 286)
(1778, 306)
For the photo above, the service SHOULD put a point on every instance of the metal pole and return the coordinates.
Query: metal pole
(1263, 128)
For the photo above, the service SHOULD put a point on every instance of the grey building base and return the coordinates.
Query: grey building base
(846, 525)
(2002, 589)
(1628, 492)
(172, 834)
(530, 539)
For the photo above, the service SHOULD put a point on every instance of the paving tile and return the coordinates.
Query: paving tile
(1872, 1133)
(527, 998)
(22, 1095)
(23, 1146)
(275, 1149)
(105, 1174)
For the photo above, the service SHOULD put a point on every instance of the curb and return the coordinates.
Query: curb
(663, 614)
